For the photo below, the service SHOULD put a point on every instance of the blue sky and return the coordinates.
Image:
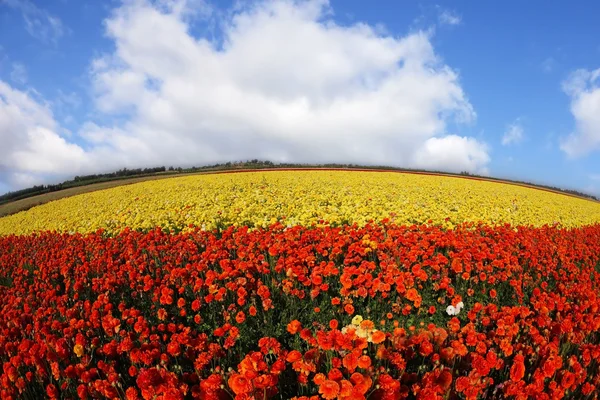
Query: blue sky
(508, 89)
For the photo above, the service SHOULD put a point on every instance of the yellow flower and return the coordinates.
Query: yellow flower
(258, 199)
(357, 320)
(78, 350)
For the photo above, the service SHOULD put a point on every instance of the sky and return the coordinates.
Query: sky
(508, 89)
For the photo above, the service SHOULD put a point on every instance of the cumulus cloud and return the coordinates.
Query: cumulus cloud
(39, 23)
(452, 153)
(583, 87)
(31, 147)
(284, 82)
(287, 83)
(513, 134)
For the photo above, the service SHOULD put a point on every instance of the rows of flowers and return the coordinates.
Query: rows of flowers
(258, 199)
(349, 312)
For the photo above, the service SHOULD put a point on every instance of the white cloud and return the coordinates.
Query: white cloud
(452, 153)
(447, 17)
(513, 134)
(39, 23)
(583, 87)
(286, 83)
(31, 147)
(18, 74)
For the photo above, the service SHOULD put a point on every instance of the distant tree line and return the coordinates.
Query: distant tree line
(78, 181)
(251, 164)
(119, 174)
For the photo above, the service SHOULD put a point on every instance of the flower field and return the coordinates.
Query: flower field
(259, 199)
(303, 285)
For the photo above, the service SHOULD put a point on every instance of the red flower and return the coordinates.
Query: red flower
(51, 391)
(364, 361)
(239, 384)
(329, 389)
(517, 371)
(294, 326)
(377, 337)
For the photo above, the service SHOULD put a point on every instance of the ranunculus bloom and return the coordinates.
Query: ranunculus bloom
(239, 384)
(517, 371)
(294, 326)
(329, 389)
(377, 337)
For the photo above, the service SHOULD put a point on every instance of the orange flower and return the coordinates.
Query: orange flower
(305, 334)
(349, 308)
(462, 384)
(447, 354)
(568, 379)
(444, 380)
(239, 384)
(517, 371)
(367, 325)
(454, 324)
(319, 379)
(293, 356)
(335, 374)
(294, 326)
(412, 294)
(52, 392)
(195, 305)
(364, 362)
(361, 383)
(78, 350)
(329, 389)
(346, 389)
(350, 361)
(240, 317)
(457, 266)
(131, 394)
(377, 337)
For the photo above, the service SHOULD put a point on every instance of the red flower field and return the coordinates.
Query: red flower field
(379, 312)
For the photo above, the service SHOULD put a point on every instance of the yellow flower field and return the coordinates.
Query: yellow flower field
(302, 197)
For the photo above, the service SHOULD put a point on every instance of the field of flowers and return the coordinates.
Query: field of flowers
(259, 199)
(302, 285)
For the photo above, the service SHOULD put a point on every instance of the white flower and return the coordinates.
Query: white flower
(451, 310)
